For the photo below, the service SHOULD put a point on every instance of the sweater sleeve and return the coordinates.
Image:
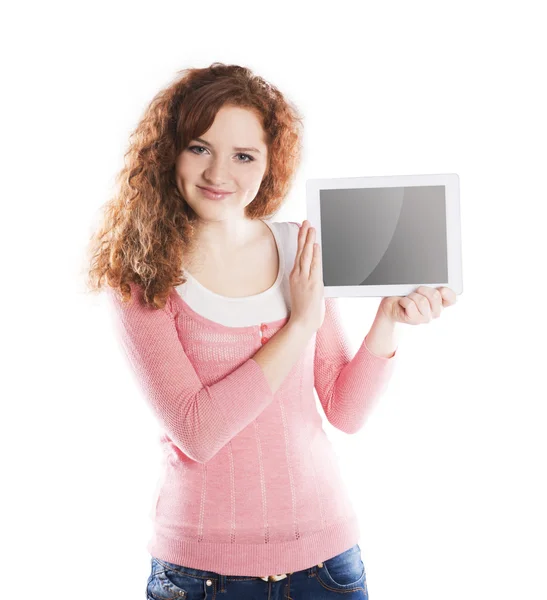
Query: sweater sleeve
(348, 388)
(200, 419)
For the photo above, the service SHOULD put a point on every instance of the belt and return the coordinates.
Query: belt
(279, 577)
(274, 577)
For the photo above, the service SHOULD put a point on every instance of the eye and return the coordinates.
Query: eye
(192, 148)
(249, 158)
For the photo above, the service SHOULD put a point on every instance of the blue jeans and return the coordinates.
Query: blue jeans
(343, 574)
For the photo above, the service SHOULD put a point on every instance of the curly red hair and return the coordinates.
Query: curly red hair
(147, 227)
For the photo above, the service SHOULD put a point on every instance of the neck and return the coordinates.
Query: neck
(221, 241)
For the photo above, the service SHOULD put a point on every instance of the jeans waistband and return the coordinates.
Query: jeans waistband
(275, 577)
(192, 571)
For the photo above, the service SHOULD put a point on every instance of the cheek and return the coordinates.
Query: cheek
(184, 169)
(252, 177)
(183, 177)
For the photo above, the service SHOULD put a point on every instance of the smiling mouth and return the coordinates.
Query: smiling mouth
(213, 195)
(213, 190)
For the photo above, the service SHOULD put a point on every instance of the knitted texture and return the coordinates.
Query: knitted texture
(250, 483)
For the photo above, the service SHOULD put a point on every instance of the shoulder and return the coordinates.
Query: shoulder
(286, 228)
(287, 232)
(294, 224)
(292, 232)
(135, 303)
(285, 225)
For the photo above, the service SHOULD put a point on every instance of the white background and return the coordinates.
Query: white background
(448, 474)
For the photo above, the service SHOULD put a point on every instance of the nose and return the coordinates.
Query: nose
(217, 172)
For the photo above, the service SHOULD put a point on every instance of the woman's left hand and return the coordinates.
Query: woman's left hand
(418, 307)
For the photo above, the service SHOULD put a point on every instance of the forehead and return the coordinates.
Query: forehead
(238, 125)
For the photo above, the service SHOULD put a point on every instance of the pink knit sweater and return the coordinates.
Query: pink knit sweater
(250, 482)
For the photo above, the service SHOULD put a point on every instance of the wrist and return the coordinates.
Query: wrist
(383, 312)
(382, 339)
(300, 326)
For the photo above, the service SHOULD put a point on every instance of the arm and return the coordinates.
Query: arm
(200, 419)
(279, 355)
(382, 339)
(348, 388)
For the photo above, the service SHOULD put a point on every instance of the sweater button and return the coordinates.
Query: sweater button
(263, 326)
(263, 340)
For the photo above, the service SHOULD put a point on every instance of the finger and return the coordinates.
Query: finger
(435, 299)
(302, 233)
(319, 263)
(448, 295)
(307, 252)
(316, 269)
(422, 303)
(409, 313)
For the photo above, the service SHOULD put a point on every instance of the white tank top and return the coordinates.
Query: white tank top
(271, 305)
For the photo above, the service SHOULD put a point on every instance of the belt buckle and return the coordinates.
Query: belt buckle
(274, 577)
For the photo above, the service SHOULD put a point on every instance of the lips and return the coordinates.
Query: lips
(214, 190)
(213, 195)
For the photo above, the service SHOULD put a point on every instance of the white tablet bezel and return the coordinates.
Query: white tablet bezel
(450, 181)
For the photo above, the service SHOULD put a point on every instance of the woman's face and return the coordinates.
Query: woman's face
(223, 158)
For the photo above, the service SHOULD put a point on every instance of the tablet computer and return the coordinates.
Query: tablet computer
(387, 235)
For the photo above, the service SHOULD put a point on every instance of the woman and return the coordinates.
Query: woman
(222, 317)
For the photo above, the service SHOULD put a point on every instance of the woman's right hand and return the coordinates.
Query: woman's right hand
(306, 282)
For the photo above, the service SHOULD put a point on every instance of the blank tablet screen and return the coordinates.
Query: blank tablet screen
(384, 235)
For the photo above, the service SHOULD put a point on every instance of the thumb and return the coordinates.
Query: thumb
(392, 308)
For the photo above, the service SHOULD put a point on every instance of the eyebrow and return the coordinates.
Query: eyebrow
(238, 149)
